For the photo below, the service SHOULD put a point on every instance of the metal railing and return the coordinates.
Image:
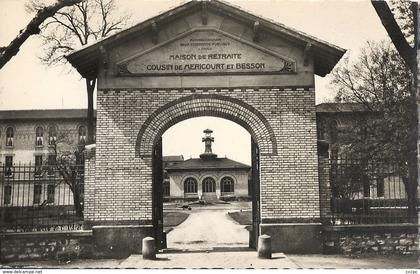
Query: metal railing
(369, 192)
(37, 198)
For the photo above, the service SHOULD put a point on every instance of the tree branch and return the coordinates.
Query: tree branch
(398, 39)
(31, 29)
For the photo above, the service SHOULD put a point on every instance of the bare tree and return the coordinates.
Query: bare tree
(33, 27)
(77, 26)
(382, 82)
(400, 20)
(67, 159)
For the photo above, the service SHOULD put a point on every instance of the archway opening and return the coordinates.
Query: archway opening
(209, 185)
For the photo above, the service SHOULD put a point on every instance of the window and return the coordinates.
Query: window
(8, 166)
(9, 137)
(37, 193)
(166, 188)
(190, 185)
(38, 165)
(366, 188)
(50, 194)
(380, 187)
(51, 164)
(52, 135)
(209, 185)
(334, 153)
(39, 136)
(320, 130)
(226, 184)
(7, 196)
(333, 132)
(82, 135)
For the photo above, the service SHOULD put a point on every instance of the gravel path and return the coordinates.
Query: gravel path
(207, 229)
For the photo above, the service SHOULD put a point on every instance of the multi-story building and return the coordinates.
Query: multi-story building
(26, 139)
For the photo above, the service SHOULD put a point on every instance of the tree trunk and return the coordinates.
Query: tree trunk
(6, 53)
(398, 39)
(77, 201)
(90, 88)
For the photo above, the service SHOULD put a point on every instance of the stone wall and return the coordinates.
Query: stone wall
(99, 242)
(47, 245)
(361, 239)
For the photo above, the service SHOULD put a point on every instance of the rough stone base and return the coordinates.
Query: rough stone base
(119, 241)
(294, 238)
(59, 245)
(382, 239)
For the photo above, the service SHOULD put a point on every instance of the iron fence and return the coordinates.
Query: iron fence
(369, 192)
(37, 198)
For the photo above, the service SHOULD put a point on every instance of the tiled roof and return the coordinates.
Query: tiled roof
(173, 158)
(36, 114)
(325, 55)
(198, 163)
(341, 107)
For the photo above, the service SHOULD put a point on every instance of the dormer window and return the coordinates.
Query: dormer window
(39, 136)
(9, 136)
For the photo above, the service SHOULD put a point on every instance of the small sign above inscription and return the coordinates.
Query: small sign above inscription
(206, 52)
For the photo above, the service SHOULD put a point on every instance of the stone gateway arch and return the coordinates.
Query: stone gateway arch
(205, 58)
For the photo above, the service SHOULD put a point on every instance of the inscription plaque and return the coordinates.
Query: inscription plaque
(206, 52)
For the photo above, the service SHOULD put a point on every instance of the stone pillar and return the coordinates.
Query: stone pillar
(149, 248)
(324, 187)
(89, 183)
(264, 247)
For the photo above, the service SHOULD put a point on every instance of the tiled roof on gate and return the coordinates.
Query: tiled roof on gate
(198, 163)
(326, 55)
(36, 114)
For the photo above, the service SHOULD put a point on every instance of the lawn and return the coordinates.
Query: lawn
(242, 217)
(171, 219)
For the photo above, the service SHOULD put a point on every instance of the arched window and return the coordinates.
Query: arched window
(209, 185)
(166, 189)
(226, 184)
(39, 136)
(190, 185)
(333, 131)
(82, 135)
(9, 137)
(52, 134)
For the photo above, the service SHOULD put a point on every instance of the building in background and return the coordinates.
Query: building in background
(208, 177)
(25, 136)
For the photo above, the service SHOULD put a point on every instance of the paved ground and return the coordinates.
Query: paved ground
(208, 229)
(238, 259)
(227, 250)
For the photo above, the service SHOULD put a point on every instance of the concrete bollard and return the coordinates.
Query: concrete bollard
(149, 248)
(264, 247)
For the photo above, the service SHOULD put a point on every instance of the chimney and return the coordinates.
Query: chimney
(208, 139)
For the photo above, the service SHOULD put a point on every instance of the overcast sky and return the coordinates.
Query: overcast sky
(27, 84)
